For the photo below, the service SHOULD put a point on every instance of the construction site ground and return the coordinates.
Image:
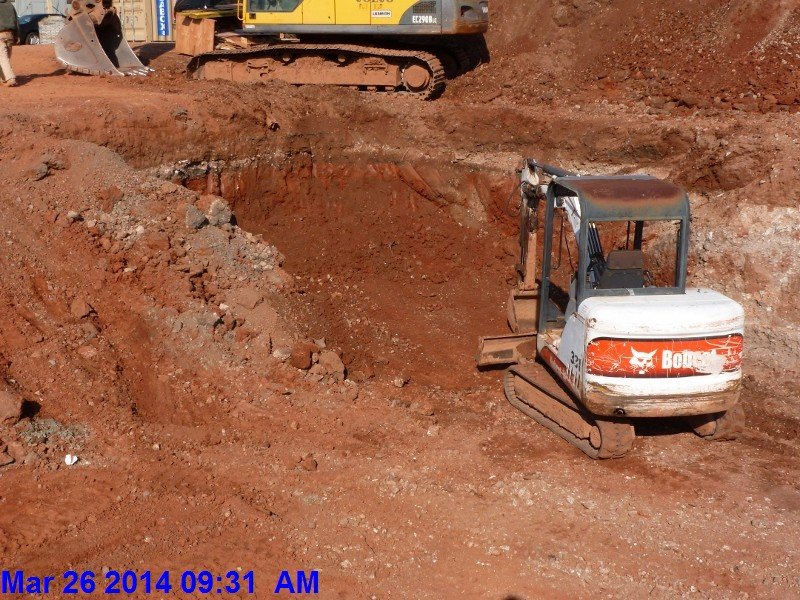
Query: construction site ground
(294, 386)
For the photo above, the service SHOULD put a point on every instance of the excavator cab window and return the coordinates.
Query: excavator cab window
(636, 261)
(643, 221)
(274, 5)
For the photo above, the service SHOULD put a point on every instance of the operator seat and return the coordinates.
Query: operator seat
(624, 270)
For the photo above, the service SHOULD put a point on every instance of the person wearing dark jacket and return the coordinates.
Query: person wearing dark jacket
(9, 29)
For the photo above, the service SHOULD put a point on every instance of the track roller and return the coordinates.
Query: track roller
(374, 68)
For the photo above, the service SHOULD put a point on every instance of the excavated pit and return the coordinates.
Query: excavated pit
(401, 266)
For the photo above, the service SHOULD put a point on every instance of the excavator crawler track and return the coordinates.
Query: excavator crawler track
(534, 391)
(722, 426)
(379, 69)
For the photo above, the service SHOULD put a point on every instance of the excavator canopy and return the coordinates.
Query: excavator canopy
(630, 197)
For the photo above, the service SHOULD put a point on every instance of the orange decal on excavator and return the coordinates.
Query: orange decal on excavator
(664, 357)
(571, 379)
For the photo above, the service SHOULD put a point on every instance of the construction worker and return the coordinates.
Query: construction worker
(9, 31)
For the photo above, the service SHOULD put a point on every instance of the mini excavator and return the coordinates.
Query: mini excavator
(603, 339)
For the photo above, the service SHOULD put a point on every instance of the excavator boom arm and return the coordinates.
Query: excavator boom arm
(532, 192)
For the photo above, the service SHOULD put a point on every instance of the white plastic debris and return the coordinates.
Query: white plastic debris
(70, 459)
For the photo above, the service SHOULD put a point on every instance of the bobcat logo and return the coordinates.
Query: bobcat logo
(642, 361)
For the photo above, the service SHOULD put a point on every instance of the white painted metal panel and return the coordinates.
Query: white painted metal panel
(698, 312)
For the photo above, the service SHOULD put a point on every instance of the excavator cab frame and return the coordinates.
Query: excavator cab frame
(637, 199)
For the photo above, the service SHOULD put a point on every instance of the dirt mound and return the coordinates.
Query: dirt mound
(723, 54)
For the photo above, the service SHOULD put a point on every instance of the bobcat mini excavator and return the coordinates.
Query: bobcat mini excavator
(611, 338)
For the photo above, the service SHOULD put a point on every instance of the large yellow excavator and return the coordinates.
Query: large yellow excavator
(412, 46)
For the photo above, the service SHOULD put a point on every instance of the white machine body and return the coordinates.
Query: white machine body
(652, 355)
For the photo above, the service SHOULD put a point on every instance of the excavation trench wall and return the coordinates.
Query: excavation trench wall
(403, 266)
(406, 264)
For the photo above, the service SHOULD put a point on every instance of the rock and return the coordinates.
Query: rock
(301, 357)
(219, 213)
(350, 392)
(54, 162)
(194, 218)
(109, 197)
(332, 363)
(283, 353)
(73, 216)
(156, 242)
(362, 374)
(658, 102)
(693, 101)
(39, 172)
(490, 95)
(169, 188)
(87, 351)
(317, 370)
(423, 408)
(16, 451)
(5, 459)
(247, 297)
(90, 331)
(400, 381)
(243, 334)
(10, 404)
(308, 462)
(320, 343)
(620, 75)
(80, 308)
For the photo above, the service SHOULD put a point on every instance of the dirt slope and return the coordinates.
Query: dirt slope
(728, 54)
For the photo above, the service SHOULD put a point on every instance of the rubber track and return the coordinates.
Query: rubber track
(729, 424)
(434, 65)
(616, 434)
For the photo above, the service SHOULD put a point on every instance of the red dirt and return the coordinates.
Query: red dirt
(152, 351)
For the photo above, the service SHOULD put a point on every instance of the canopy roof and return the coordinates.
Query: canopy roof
(628, 197)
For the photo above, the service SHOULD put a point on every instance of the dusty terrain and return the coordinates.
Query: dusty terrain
(158, 338)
